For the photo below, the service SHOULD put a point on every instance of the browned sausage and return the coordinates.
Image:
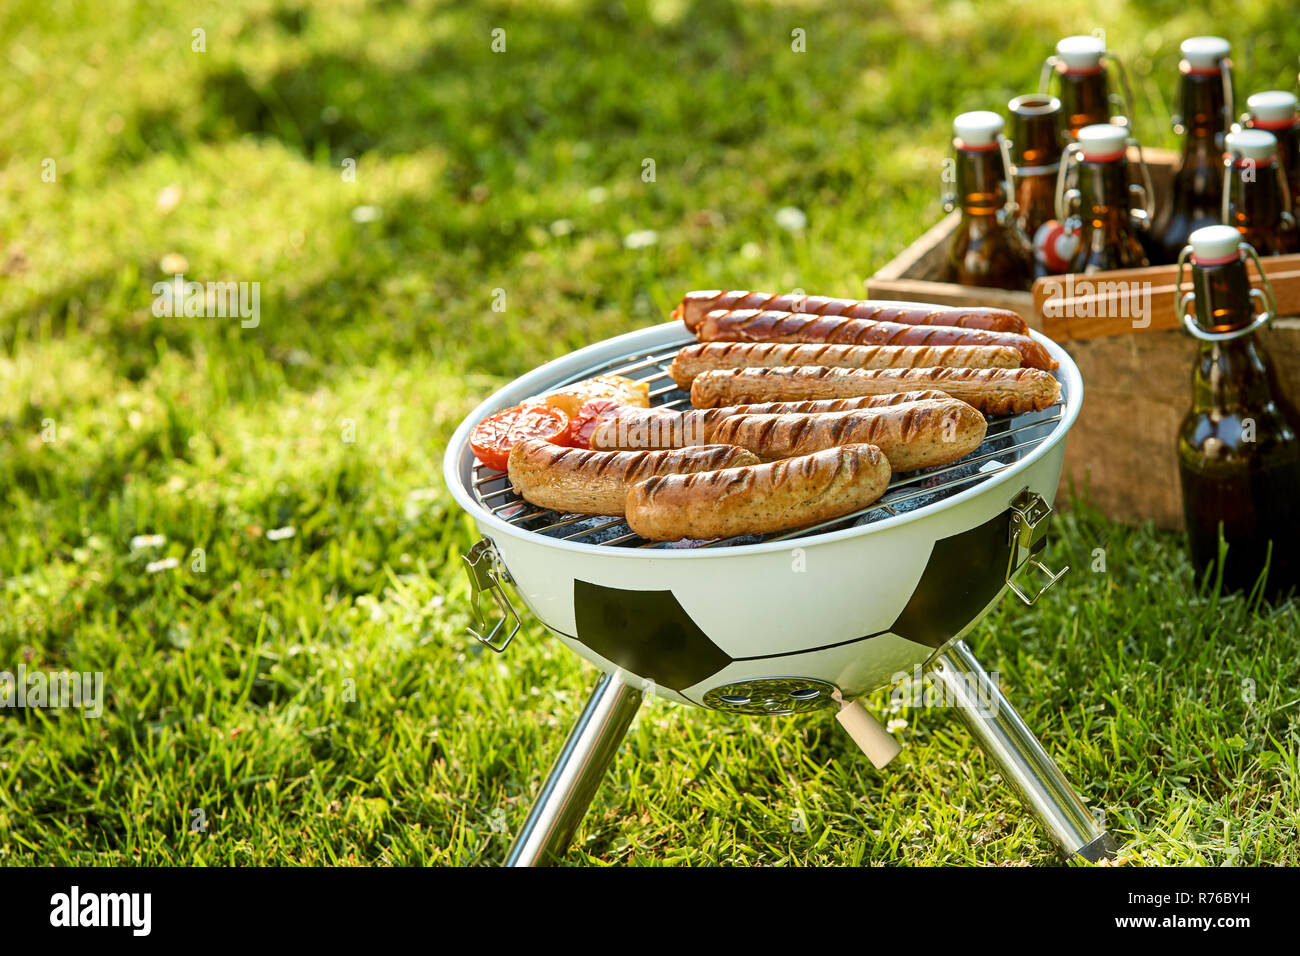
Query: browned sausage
(919, 435)
(650, 428)
(751, 325)
(695, 305)
(758, 499)
(596, 482)
(706, 356)
(991, 390)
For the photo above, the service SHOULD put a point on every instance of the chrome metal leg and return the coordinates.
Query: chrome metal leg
(1024, 763)
(576, 773)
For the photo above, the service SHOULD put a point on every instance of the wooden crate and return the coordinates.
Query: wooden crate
(1121, 452)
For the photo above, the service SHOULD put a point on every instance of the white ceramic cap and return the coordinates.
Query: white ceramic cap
(1204, 53)
(1256, 144)
(1102, 141)
(977, 128)
(1272, 106)
(1081, 52)
(1215, 242)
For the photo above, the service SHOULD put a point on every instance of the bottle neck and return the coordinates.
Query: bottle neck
(981, 182)
(1223, 302)
(1104, 197)
(1202, 112)
(1085, 100)
(1037, 150)
(1235, 372)
(1254, 197)
(1288, 152)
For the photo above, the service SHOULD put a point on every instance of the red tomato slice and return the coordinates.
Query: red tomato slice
(583, 424)
(493, 437)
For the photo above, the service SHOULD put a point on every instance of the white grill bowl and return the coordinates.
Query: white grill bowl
(773, 620)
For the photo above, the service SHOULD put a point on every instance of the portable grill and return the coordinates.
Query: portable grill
(782, 623)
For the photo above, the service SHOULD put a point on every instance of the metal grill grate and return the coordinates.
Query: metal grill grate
(1009, 438)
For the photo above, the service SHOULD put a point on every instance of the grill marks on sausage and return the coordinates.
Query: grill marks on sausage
(912, 436)
(693, 360)
(752, 325)
(996, 390)
(759, 498)
(653, 428)
(627, 465)
(846, 472)
(695, 305)
(585, 481)
(717, 484)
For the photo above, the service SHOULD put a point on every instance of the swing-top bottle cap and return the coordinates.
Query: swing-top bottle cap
(1257, 144)
(1080, 54)
(977, 130)
(1204, 53)
(1102, 142)
(1272, 108)
(1215, 245)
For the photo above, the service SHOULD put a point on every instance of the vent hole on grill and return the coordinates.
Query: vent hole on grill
(735, 700)
(805, 693)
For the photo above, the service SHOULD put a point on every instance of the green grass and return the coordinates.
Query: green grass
(231, 689)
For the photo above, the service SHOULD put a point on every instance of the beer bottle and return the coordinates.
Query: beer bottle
(1085, 91)
(1238, 450)
(1255, 200)
(989, 249)
(1202, 121)
(1036, 161)
(1106, 223)
(1275, 111)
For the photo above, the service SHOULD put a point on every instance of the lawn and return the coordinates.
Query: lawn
(386, 177)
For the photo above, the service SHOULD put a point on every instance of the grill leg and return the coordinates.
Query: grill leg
(576, 773)
(1005, 739)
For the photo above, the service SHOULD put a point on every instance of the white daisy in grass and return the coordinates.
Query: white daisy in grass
(791, 219)
(641, 239)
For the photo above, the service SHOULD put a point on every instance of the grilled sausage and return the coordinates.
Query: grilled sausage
(757, 499)
(694, 359)
(579, 481)
(991, 390)
(695, 305)
(918, 435)
(751, 325)
(650, 428)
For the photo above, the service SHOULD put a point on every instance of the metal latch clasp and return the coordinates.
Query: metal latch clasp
(1030, 518)
(486, 575)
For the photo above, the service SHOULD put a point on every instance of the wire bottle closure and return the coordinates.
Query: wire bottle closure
(1264, 297)
(1044, 82)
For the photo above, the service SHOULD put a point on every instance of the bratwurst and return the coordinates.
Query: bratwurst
(695, 305)
(706, 356)
(991, 390)
(579, 481)
(627, 427)
(757, 499)
(918, 435)
(752, 325)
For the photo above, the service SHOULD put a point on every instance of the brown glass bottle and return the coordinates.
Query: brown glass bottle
(1197, 196)
(1036, 157)
(1107, 225)
(1238, 449)
(1254, 202)
(1085, 90)
(988, 248)
(1275, 111)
